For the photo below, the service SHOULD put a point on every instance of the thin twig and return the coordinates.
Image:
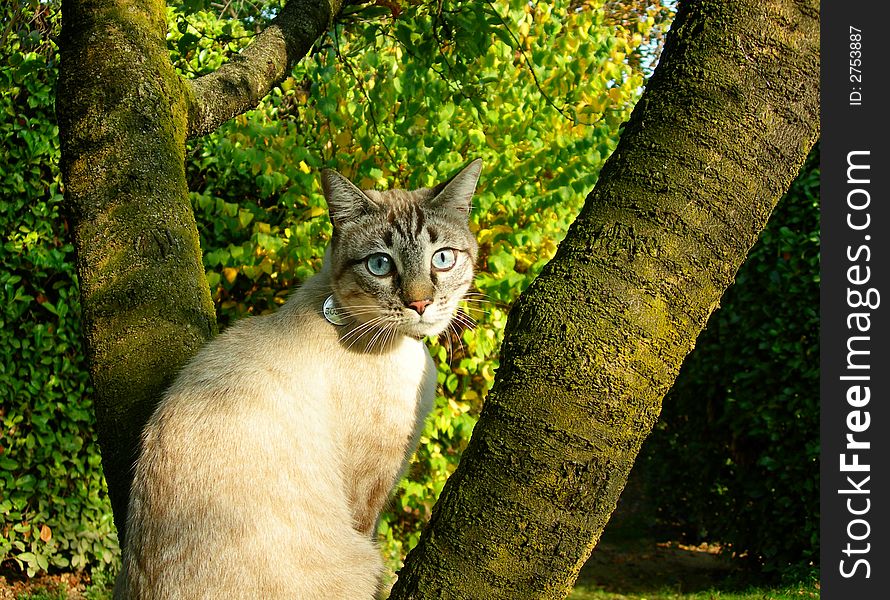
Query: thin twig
(574, 120)
(361, 87)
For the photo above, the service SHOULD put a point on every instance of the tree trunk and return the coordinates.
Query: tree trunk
(124, 115)
(595, 342)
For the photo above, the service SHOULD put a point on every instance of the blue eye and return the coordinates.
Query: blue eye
(444, 259)
(379, 264)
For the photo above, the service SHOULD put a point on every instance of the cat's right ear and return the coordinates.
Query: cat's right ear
(456, 194)
(345, 201)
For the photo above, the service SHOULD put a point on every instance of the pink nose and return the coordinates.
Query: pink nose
(420, 305)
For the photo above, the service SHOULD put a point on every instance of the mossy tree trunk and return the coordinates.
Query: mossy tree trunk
(124, 116)
(595, 342)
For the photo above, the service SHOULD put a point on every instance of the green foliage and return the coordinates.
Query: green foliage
(54, 509)
(801, 591)
(47, 593)
(743, 416)
(401, 93)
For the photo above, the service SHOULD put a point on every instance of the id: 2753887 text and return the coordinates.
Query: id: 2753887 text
(855, 66)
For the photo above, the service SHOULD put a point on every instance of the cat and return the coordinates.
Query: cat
(265, 466)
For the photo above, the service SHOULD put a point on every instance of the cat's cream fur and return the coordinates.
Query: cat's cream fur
(266, 465)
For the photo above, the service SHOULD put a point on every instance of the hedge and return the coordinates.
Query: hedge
(735, 455)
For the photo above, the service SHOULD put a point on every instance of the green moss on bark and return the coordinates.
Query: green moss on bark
(146, 306)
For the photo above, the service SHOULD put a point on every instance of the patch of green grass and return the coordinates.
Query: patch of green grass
(802, 591)
(58, 593)
(101, 587)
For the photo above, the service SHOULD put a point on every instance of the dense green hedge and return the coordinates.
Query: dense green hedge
(735, 455)
(54, 508)
(354, 104)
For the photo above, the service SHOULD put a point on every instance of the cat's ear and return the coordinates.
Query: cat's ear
(345, 200)
(456, 194)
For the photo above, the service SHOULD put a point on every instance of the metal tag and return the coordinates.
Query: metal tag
(330, 312)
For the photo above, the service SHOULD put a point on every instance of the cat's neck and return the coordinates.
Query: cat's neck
(353, 335)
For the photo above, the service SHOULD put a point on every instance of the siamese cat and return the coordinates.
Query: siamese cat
(265, 466)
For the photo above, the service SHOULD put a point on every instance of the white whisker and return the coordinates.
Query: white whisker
(459, 341)
(465, 319)
(359, 331)
(380, 336)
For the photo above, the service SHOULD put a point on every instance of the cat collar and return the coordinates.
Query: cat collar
(331, 313)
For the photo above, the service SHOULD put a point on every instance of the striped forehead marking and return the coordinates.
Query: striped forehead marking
(408, 221)
(419, 219)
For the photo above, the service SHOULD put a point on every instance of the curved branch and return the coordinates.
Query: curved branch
(239, 85)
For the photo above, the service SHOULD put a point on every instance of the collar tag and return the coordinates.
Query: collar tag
(331, 313)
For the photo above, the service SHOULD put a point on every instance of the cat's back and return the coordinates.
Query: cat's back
(260, 352)
(256, 385)
(248, 413)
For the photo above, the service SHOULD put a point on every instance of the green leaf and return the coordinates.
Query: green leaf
(501, 262)
(244, 218)
(187, 42)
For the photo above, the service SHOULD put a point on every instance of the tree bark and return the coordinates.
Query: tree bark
(597, 339)
(239, 85)
(124, 115)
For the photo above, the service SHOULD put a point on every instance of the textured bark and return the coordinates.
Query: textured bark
(595, 342)
(124, 116)
(146, 305)
(240, 84)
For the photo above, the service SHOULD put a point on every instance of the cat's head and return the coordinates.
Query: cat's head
(400, 261)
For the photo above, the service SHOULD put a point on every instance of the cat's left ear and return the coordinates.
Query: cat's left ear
(345, 200)
(456, 194)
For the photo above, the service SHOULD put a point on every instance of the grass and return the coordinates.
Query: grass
(584, 590)
(58, 587)
(797, 592)
(641, 569)
(62, 592)
(58, 593)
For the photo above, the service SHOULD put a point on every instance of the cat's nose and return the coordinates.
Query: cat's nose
(420, 305)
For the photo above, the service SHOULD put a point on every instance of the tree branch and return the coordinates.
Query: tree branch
(239, 85)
